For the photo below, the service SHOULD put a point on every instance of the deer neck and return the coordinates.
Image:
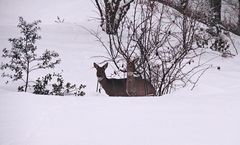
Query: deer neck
(130, 84)
(104, 84)
(101, 78)
(130, 74)
(130, 79)
(102, 81)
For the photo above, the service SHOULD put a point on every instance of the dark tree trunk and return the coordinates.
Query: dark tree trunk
(27, 77)
(215, 6)
(112, 13)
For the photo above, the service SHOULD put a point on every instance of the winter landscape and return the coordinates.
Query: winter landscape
(205, 113)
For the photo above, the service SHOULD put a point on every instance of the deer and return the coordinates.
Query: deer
(136, 86)
(112, 87)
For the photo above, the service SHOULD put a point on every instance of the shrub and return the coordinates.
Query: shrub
(23, 60)
(22, 56)
(43, 86)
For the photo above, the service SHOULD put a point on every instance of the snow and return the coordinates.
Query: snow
(75, 11)
(208, 115)
(175, 119)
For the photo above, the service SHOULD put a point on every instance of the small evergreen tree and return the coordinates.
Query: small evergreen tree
(22, 56)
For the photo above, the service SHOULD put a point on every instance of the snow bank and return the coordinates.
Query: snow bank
(175, 119)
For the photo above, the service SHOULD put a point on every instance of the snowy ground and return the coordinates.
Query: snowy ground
(208, 115)
(179, 119)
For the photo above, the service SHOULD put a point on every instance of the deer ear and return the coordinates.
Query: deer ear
(95, 65)
(128, 60)
(105, 66)
(135, 60)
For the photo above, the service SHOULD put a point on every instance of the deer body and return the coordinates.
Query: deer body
(112, 87)
(136, 86)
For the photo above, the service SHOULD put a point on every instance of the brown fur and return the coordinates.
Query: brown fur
(136, 86)
(112, 87)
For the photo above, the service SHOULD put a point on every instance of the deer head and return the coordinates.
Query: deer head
(131, 66)
(100, 71)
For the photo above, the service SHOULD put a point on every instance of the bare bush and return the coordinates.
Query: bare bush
(112, 12)
(164, 41)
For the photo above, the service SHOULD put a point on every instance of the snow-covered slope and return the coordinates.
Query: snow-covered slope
(178, 119)
(75, 11)
(208, 115)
